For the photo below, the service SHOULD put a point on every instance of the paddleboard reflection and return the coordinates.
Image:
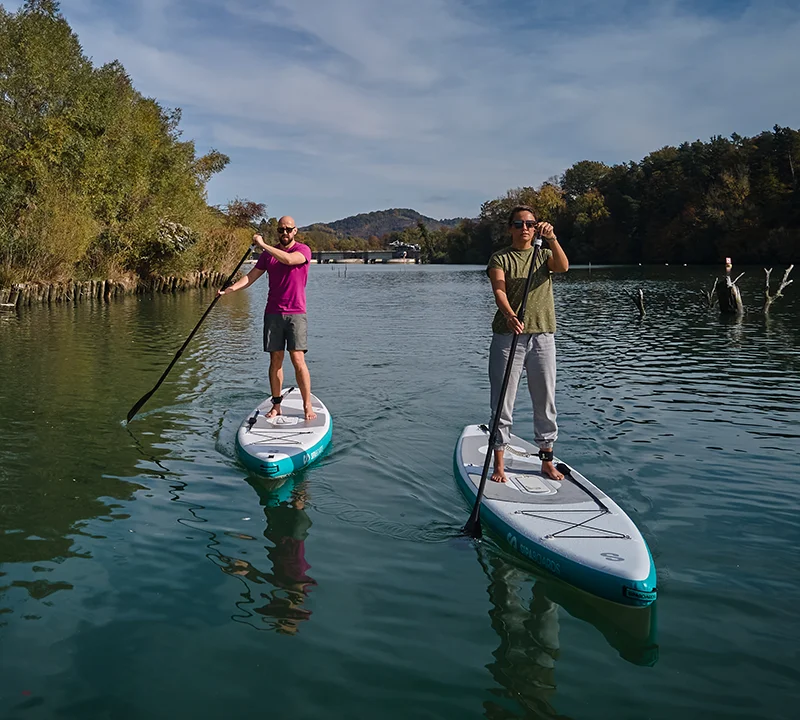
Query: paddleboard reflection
(527, 620)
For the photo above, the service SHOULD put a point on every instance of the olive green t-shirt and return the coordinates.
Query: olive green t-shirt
(540, 312)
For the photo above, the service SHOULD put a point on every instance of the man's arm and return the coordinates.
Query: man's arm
(287, 258)
(248, 279)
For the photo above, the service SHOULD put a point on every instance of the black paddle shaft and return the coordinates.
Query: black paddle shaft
(473, 526)
(138, 406)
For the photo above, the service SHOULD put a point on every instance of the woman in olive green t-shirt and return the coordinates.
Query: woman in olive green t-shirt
(536, 350)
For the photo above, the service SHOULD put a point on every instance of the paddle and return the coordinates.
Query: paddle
(135, 409)
(473, 526)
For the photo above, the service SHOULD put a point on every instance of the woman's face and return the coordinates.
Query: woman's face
(523, 226)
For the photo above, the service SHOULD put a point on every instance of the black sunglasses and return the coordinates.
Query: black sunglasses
(282, 230)
(527, 223)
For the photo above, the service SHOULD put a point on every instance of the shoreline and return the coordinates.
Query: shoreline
(73, 291)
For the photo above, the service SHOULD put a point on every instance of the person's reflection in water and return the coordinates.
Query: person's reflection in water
(287, 529)
(525, 661)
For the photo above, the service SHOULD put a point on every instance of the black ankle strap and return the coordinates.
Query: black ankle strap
(276, 400)
(546, 455)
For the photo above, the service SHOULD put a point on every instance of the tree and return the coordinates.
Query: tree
(86, 158)
(582, 177)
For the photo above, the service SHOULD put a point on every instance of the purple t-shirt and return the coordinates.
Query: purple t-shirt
(287, 283)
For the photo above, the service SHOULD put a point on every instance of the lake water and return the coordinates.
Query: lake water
(144, 574)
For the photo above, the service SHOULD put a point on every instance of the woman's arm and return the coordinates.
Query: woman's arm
(498, 279)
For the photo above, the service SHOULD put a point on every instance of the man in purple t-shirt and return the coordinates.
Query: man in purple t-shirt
(285, 322)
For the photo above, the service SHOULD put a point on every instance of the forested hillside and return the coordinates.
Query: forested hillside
(381, 222)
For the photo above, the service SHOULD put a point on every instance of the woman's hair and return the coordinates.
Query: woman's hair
(519, 209)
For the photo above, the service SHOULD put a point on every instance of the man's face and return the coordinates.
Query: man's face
(286, 231)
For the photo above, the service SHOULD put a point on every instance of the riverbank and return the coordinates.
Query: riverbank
(73, 291)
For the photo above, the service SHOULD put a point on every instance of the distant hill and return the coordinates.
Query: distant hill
(380, 222)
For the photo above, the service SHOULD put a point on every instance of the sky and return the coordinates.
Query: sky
(329, 108)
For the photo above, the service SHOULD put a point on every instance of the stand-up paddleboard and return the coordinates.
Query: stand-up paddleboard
(280, 445)
(569, 527)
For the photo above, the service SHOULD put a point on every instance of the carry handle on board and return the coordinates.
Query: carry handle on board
(473, 526)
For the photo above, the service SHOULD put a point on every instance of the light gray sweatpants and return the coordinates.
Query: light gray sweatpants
(537, 354)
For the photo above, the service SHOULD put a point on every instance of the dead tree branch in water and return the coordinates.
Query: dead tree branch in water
(711, 296)
(785, 282)
(638, 300)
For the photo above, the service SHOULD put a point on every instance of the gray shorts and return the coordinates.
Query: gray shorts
(285, 332)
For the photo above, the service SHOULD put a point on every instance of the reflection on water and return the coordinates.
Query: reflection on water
(526, 661)
(287, 528)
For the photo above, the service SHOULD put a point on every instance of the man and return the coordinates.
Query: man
(536, 350)
(285, 322)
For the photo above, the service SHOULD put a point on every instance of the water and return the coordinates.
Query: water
(144, 575)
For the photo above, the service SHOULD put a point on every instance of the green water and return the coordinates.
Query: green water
(144, 574)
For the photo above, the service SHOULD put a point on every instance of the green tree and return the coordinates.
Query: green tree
(582, 177)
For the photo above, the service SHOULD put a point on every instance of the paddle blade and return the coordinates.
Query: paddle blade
(138, 406)
(473, 526)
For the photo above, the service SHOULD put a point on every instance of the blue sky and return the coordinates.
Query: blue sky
(329, 108)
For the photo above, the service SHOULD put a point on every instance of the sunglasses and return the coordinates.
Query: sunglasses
(286, 230)
(527, 223)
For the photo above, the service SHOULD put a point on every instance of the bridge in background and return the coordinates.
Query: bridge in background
(365, 256)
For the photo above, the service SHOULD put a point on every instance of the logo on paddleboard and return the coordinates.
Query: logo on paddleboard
(533, 554)
(642, 595)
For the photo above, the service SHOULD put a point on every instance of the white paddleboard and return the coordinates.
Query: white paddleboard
(569, 527)
(285, 443)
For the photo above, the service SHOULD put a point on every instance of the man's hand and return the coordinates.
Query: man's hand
(258, 240)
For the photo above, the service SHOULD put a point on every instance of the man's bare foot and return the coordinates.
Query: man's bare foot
(309, 411)
(276, 410)
(549, 470)
(499, 476)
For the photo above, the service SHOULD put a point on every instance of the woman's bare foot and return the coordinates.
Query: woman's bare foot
(276, 410)
(499, 476)
(549, 470)
(309, 411)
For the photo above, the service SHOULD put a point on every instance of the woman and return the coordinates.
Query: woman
(536, 350)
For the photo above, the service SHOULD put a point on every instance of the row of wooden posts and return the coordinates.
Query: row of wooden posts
(73, 291)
